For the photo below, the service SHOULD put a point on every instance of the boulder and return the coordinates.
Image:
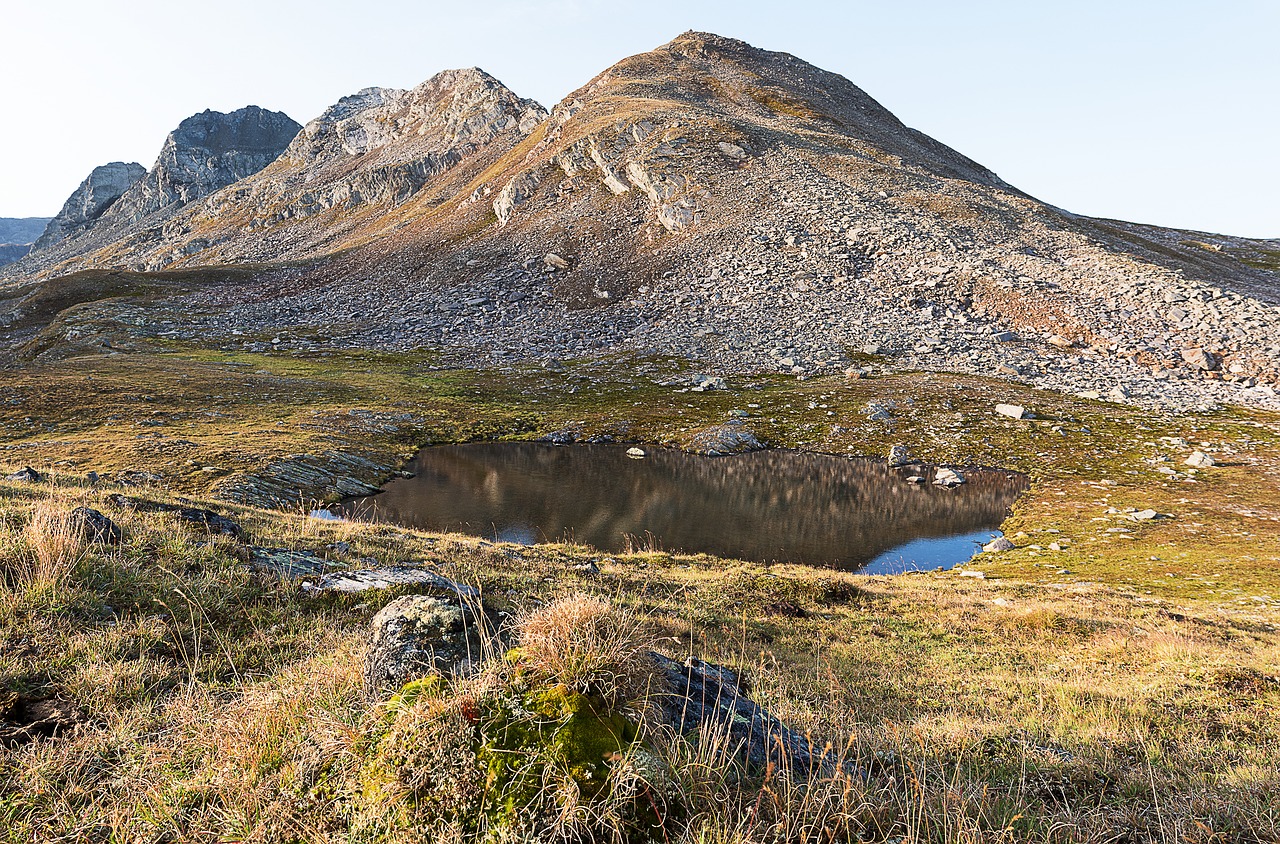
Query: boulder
(733, 151)
(1200, 460)
(1200, 359)
(1013, 411)
(701, 694)
(26, 475)
(417, 635)
(731, 437)
(553, 261)
(947, 477)
(899, 455)
(998, 544)
(96, 527)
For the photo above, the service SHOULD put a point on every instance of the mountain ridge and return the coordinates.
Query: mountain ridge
(714, 201)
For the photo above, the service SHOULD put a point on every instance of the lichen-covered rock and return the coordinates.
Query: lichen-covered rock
(732, 437)
(416, 635)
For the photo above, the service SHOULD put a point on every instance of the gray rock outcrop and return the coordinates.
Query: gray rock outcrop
(126, 203)
(704, 695)
(416, 635)
(98, 192)
(206, 152)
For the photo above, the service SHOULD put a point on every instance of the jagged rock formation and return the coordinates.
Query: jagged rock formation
(710, 200)
(367, 155)
(206, 152)
(106, 184)
(124, 202)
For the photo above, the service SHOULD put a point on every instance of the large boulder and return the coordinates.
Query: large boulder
(417, 635)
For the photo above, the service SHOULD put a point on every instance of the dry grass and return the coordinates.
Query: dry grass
(589, 645)
(42, 555)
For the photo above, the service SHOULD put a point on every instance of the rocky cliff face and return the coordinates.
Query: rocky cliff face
(119, 201)
(90, 201)
(206, 152)
(346, 174)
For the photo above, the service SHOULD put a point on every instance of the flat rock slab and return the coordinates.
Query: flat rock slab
(288, 564)
(385, 578)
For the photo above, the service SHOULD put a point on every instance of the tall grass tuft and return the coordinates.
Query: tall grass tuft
(589, 645)
(42, 555)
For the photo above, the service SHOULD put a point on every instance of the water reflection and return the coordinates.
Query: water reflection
(765, 506)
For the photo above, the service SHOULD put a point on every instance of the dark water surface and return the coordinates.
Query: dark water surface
(785, 506)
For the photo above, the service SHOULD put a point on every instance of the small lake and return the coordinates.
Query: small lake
(766, 506)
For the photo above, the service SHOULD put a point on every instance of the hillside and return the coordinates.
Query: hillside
(206, 152)
(707, 249)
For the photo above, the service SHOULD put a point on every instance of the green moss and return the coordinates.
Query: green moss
(430, 686)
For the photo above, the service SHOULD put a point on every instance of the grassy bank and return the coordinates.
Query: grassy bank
(1110, 679)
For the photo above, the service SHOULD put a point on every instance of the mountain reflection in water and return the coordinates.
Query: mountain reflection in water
(764, 506)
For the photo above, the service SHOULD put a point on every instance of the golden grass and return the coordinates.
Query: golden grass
(41, 556)
(589, 645)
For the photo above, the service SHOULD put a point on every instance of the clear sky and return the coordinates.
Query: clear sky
(1158, 111)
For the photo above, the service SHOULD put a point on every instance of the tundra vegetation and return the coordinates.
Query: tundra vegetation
(1111, 678)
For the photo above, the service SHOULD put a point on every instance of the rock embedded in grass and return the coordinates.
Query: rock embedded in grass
(899, 455)
(1200, 460)
(95, 527)
(998, 544)
(26, 475)
(417, 635)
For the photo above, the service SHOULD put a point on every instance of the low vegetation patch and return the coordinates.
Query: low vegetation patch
(1111, 678)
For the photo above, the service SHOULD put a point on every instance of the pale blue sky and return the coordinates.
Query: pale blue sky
(1163, 112)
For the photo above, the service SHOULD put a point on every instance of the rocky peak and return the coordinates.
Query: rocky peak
(206, 152)
(452, 108)
(106, 184)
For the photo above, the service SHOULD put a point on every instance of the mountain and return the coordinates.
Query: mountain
(207, 151)
(10, 252)
(21, 229)
(733, 206)
(82, 210)
(16, 236)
